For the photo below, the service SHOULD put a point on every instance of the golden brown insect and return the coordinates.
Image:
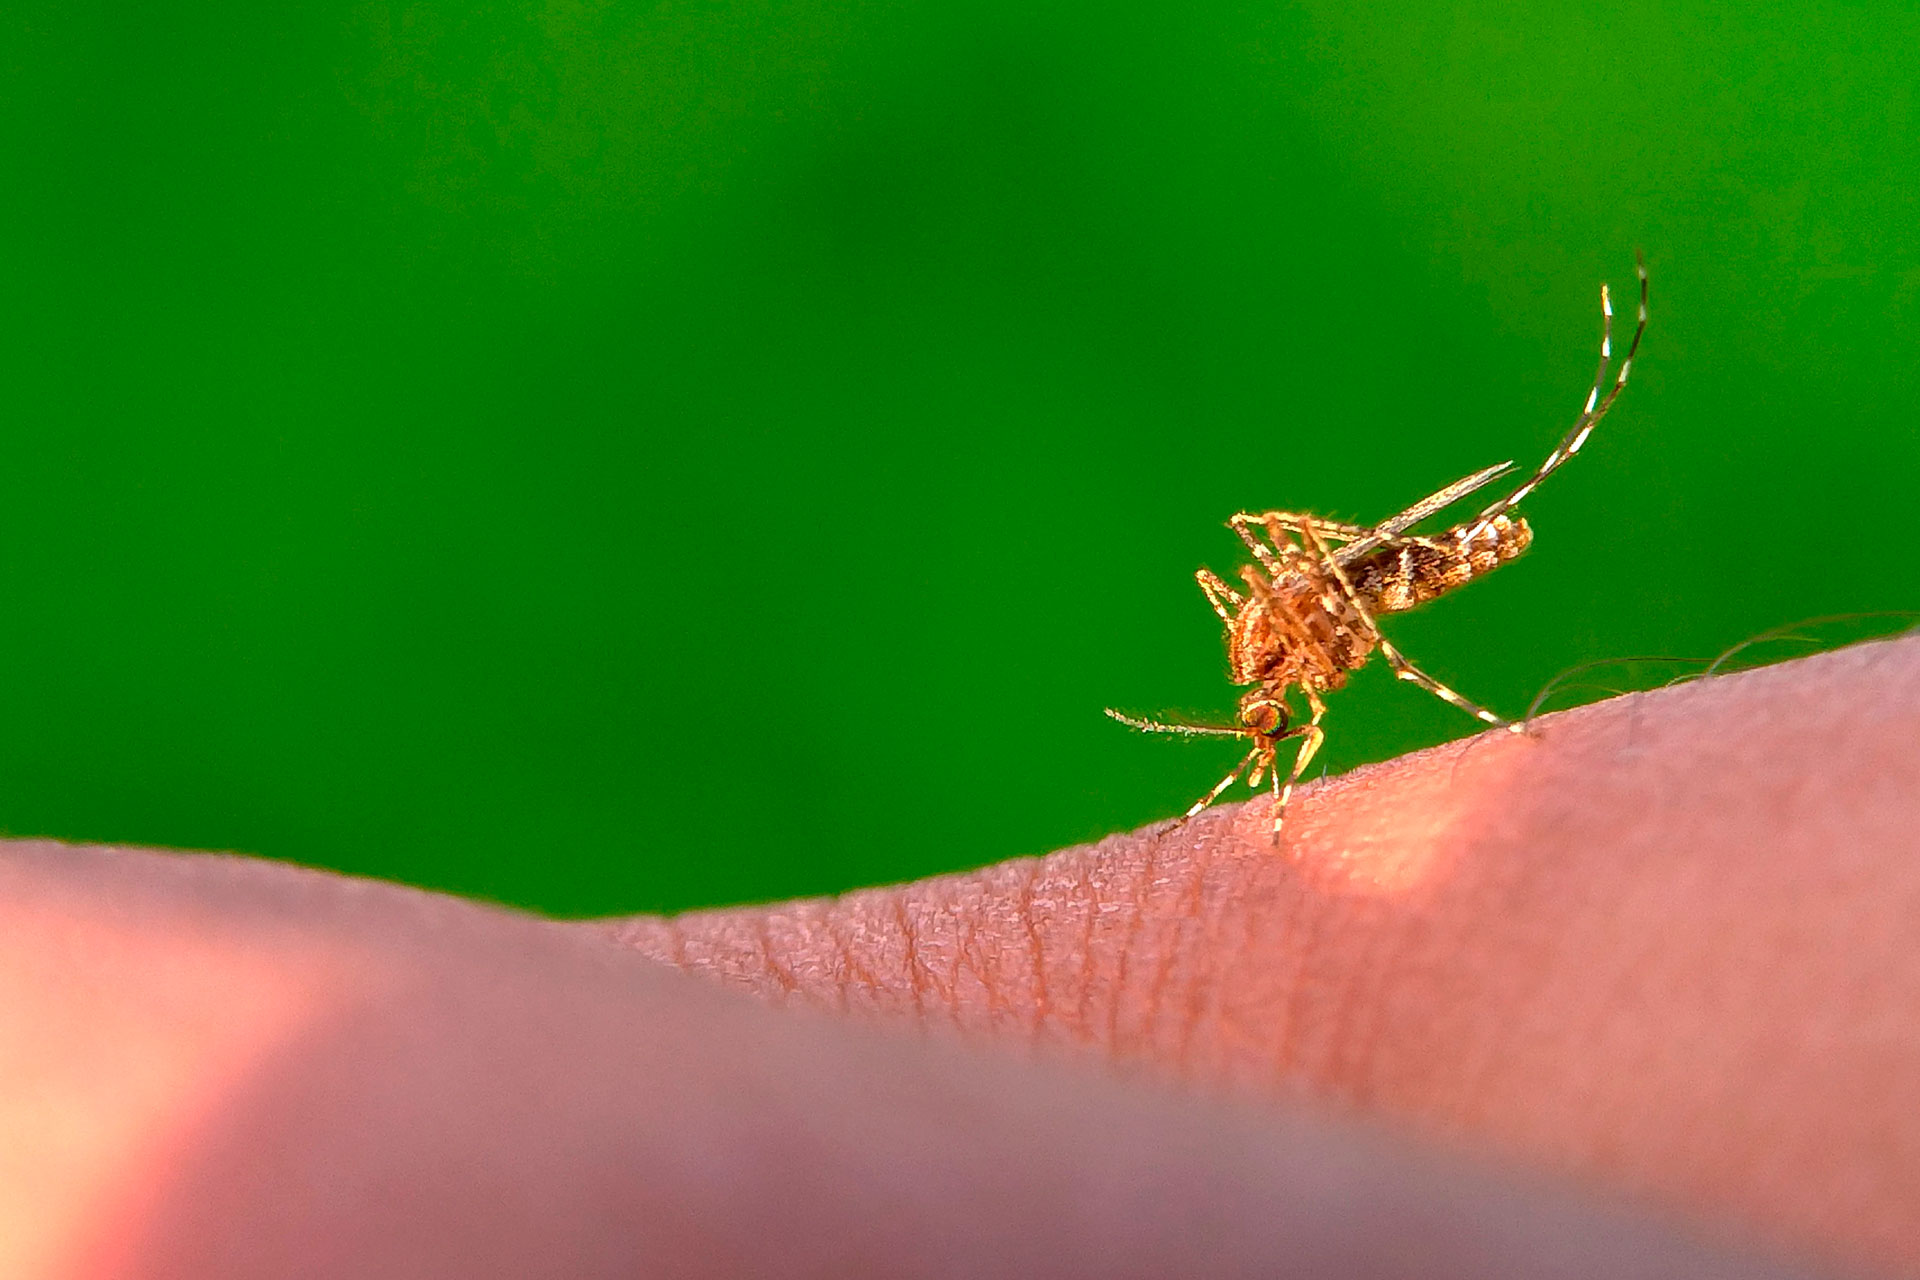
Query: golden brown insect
(1306, 618)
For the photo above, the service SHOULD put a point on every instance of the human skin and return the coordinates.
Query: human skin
(1556, 1006)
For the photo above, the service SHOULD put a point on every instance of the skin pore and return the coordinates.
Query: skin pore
(1562, 1006)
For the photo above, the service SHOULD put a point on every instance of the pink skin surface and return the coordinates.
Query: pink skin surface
(1554, 1007)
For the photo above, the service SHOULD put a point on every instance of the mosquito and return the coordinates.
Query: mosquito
(1307, 615)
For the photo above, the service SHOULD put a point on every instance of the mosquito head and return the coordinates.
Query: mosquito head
(1263, 713)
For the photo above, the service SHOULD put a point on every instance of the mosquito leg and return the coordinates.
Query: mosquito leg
(1224, 783)
(1276, 524)
(1310, 529)
(1407, 671)
(1269, 557)
(1396, 659)
(1221, 596)
(1295, 520)
(1331, 571)
(1592, 411)
(1582, 427)
(1311, 736)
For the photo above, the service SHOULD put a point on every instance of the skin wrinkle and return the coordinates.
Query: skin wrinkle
(1240, 1037)
(1360, 988)
(839, 972)
(1300, 999)
(947, 995)
(1024, 913)
(903, 921)
(1081, 956)
(1138, 883)
(782, 976)
(677, 940)
(806, 952)
(842, 928)
(1071, 912)
(1212, 901)
(876, 969)
(1365, 1006)
(1200, 989)
(1468, 940)
(1177, 924)
(1090, 976)
(1282, 945)
(970, 959)
(1083, 1007)
(843, 971)
(1038, 913)
(1102, 904)
(1189, 919)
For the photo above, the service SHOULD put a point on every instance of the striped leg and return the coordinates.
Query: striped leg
(1407, 671)
(1221, 596)
(1592, 411)
(1274, 553)
(1222, 785)
(1311, 737)
(1402, 667)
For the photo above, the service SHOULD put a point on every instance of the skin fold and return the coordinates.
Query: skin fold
(1639, 996)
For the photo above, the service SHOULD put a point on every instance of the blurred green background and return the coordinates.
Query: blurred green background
(612, 457)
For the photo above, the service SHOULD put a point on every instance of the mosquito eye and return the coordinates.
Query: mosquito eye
(1264, 717)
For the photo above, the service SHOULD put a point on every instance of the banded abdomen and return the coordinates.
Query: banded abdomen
(1412, 571)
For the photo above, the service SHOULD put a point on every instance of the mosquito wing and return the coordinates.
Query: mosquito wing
(1392, 527)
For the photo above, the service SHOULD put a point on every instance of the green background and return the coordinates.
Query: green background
(616, 456)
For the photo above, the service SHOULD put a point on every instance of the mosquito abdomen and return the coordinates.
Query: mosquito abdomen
(1411, 571)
